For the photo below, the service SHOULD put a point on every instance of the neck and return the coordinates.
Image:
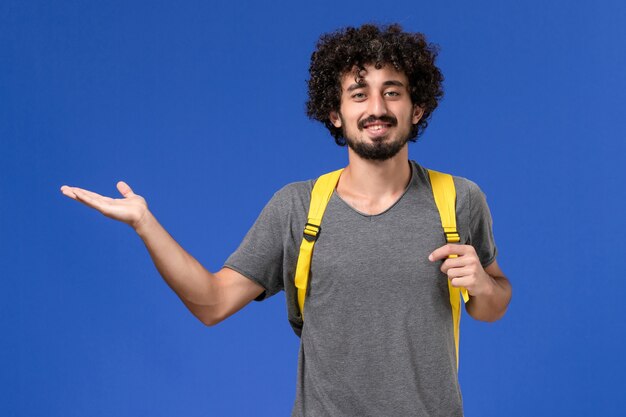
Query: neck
(376, 179)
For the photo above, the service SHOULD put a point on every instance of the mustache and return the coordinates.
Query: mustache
(372, 119)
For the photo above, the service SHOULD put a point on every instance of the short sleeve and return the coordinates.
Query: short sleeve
(259, 257)
(481, 226)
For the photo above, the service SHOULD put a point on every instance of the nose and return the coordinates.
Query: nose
(377, 106)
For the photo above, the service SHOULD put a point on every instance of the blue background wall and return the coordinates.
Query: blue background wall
(199, 106)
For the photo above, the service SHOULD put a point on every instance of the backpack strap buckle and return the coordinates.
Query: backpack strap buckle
(452, 236)
(311, 231)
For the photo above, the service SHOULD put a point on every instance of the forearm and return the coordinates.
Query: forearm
(492, 305)
(181, 271)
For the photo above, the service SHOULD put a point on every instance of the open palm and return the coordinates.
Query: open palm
(131, 209)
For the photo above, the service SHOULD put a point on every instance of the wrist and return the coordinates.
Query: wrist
(145, 223)
(492, 286)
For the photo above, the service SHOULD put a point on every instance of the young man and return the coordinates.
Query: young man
(378, 336)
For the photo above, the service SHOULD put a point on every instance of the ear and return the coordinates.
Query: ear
(418, 112)
(335, 119)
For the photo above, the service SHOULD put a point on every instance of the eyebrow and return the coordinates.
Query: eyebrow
(356, 86)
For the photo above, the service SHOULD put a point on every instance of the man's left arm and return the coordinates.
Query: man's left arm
(489, 289)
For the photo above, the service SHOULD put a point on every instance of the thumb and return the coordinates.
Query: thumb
(125, 189)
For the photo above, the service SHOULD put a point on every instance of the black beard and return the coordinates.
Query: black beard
(381, 149)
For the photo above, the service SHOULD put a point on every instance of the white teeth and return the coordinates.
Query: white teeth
(376, 127)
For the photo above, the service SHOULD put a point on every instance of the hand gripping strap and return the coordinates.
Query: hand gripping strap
(445, 198)
(322, 191)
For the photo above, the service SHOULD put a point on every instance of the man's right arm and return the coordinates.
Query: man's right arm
(210, 297)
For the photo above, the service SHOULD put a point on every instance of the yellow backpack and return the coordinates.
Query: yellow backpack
(445, 198)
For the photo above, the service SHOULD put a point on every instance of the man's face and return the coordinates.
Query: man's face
(376, 114)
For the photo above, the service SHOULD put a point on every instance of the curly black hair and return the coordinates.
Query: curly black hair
(345, 49)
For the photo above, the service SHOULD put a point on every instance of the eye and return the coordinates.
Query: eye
(358, 96)
(392, 94)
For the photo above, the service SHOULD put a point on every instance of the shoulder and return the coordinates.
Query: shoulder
(462, 185)
(469, 195)
(466, 186)
(471, 201)
(298, 192)
(470, 198)
(294, 191)
(293, 196)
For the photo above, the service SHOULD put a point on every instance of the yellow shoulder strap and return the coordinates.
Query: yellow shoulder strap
(445, 199)
(322, 191)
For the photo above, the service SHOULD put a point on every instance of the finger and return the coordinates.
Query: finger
(92, 199)
(452, 263)
(91, 194)
(75, 191)
(458, 272)
(125, 189)
(84, 197)
(67, 191)
(446, 250)
(461, 282)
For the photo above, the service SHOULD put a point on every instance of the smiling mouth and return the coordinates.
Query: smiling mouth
(378, 129)
(377, 125)
(374, 127)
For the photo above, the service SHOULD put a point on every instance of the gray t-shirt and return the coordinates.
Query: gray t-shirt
(378, 335)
